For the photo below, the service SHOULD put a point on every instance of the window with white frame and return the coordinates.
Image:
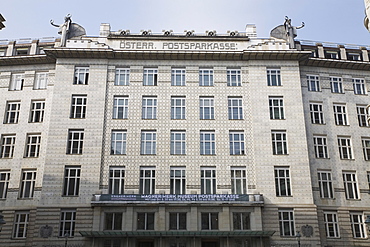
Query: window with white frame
(81, 76)
(345, 149)
(331, 224)
(357, 224)
(353, 56)
(241, 221)
(178, 77)
(67, 222)
(78, 106)
(75, 141)
(279, 142)
(178, 142)
(325, 184)
(33, 142)
(366, 148)
(21, 220)
(236, 142)
(238, 180)
(368, 179)
(331, 54)
(177, 180)
(122, 77)
(16, 82)
(41, 80)
(145, 221)
(340, 114)
(150, 77)
(206, 108)
(235, 107)
(21, 51)
(149, 110)
(147, 180)
(37, 111)
(273, 77)
(27, 186)
(118, 142)
(313, 83)
(72, 175)
(209, 221)
(177, 221)
(7, 146)
(4, 183)
(208, 180)
(206, 77)
(177, 107)
(286, 222)
(207, 143)
(362, 116)
(359, 86)
(317, 115)
(282, 181)
(113, 221)
(234, 78)
(350, 185)
(336, 85)
(148, 142)
(320, 147)
(276, 105)
(12, 112)
(120, 107)
(116, 180)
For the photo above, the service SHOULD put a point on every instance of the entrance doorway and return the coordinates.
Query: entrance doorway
(146, 244)
(210, 244)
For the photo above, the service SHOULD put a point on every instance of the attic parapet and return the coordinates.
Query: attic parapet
(26, 47)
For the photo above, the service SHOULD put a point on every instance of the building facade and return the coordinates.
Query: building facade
(183, 140)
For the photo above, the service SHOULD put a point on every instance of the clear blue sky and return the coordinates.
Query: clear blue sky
(339, 21)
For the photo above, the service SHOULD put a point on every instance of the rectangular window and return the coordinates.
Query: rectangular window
(149, 110)
(273, 77)
(357, 224)
(207, 108)
(177, 107)
(317, 115)
(120, 107)
(113, 221)
(350, 185)
(118, 144)
(21, 51)
(209, 221)
(21, 220)
(325, 184)
(276, 107)
(81, 76)
(206, 77)
(112, 243)
(234, 78)
(178, 77)
(241, 221)
(235, 107)
(236, 142)
(78, 106)
(148, 142)
(33, 142)
(7, 146)
(331, 54)
(150, 77)
(16, 82)
(336, 85)
(122, 77)
(331, 224)
(313, 83)
(345, 149)
(177, 180)
(37, 111)
(116, 180)
(238, 180)
(147, 180)
(72, 176)
(362, 116)
(366, 148)
(286, 222)
(41, 80)
(282, 181)
(75, 141)
(359, 86)
(177, 221)
(207, 143)
(12, 112)
(27, 186)
(178, 142)
(4, 183)
(279, 143)
(67, 222)
(145, 221)
(354, 56)
(340, 114)
(320, 146)
(208, 180)
(368, 179)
